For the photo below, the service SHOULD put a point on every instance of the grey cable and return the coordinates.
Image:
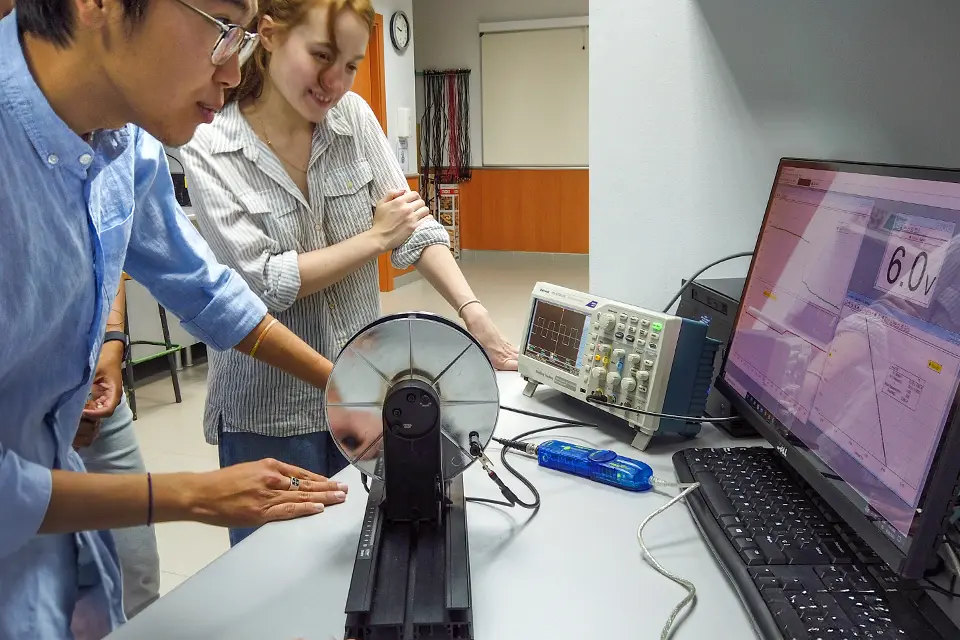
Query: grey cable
(743, 254)
(686, 584)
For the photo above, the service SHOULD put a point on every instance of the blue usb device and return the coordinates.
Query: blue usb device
(599, 465)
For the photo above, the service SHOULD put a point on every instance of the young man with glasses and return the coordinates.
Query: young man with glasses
(84, 196)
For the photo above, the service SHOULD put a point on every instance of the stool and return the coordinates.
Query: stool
(169, 350)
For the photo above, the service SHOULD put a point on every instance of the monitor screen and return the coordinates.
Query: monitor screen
(848, 335)
(555, 336)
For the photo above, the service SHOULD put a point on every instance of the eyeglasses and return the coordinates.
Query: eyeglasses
(233, 39)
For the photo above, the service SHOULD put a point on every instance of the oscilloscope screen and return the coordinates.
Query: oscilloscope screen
(556, 336)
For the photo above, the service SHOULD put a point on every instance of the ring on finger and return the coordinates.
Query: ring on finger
(294, 483)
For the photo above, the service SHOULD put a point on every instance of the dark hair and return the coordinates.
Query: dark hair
(52, 20)
(288, 14)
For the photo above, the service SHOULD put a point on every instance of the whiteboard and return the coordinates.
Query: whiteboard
(535, 102)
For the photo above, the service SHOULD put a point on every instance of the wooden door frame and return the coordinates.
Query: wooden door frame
(378, 77)
(378, 102)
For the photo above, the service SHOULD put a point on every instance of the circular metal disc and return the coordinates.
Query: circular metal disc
(411, 346)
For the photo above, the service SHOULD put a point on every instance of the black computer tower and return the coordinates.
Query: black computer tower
(715, 301)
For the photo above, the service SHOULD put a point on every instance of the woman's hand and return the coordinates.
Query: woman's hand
(397, 216)
(502, 353)
(253, 493)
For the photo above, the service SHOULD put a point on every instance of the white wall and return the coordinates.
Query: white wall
(693, 103)
(400, 77)
(447, 34)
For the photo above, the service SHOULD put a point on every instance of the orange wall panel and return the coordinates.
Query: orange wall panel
(526, 210)
(471, 199)
(574, 212)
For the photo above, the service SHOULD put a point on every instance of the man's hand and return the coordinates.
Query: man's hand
(502, 353)
(251, 494)
(107, 383)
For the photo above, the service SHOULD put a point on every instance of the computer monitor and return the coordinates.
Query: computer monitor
(845, 352)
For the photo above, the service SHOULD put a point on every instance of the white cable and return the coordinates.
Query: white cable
(686, 584)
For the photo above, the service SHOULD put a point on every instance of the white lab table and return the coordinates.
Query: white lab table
(574, 571)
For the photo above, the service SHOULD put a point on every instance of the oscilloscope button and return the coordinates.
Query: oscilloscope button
(619, 335)
(645, 323)
(630, 339)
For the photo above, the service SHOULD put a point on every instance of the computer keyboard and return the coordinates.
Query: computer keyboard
(802, 572)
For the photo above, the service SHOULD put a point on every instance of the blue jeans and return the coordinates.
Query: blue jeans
(314, 452)
(115, 450)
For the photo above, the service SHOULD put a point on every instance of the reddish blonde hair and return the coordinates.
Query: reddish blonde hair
(288, 14)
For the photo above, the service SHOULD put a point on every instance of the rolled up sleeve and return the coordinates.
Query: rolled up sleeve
(168, 256)
(429, 232)
(388, 175)
(272, 273)
(25, 490)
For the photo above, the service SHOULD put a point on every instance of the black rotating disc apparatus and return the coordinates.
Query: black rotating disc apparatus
(405, 395)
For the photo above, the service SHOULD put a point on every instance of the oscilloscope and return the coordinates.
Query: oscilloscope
(586, 346)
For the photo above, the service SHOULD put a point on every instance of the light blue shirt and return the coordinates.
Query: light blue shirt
(72, 217)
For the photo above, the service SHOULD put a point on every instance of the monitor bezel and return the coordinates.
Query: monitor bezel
(943, 481)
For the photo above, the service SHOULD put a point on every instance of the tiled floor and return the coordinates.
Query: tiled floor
(171, 436)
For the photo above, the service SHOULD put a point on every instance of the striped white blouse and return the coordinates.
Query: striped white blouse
(256, 220)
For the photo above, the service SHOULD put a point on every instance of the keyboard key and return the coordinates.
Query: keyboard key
(737, 531)
(744, 544)
(859, 582)
(714, 496)
(794, 584)
(770, 549)
(789, 622)
(837, 552)
(769, 583)
(729, 521)
(753, 556)
(759, 573)
(887, 577)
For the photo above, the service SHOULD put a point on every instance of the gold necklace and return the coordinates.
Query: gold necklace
(266, 138)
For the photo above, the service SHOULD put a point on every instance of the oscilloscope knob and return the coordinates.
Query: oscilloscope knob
(608, 321)
(613, 378)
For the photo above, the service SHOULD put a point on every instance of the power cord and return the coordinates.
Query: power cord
(172, 157)
(692, 419)
(591, 400)
(743, 254)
